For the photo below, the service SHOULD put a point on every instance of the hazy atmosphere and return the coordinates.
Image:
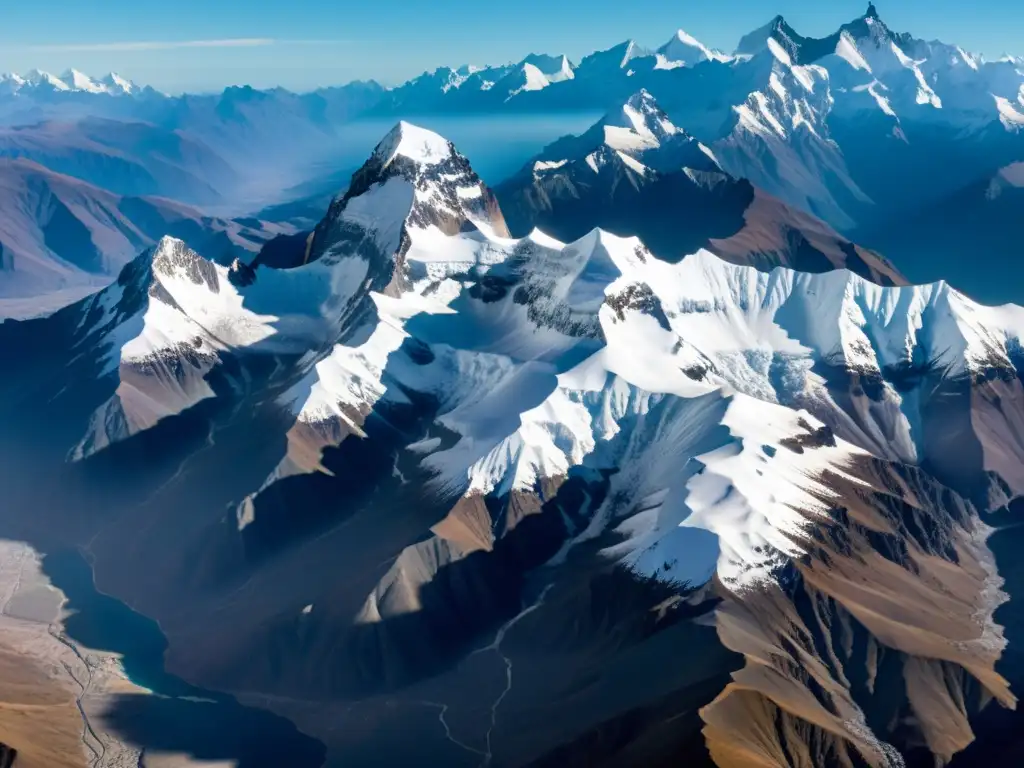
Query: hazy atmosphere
(191, 45)
(619, 385)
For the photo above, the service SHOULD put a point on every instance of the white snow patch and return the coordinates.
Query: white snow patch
(847, 50)
(415, 143)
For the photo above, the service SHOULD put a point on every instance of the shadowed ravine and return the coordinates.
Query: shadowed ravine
(177, 717)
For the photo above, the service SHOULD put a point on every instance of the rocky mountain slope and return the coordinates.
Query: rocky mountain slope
(434, 492)
(59, 235)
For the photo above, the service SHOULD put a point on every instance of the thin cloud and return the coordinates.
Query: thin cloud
(168, 45)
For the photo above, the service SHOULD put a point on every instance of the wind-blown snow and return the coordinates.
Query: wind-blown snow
(757, 496)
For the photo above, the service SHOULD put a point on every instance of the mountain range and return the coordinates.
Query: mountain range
(635, 173)
(846, 128)
(698, 440)
(421, 473)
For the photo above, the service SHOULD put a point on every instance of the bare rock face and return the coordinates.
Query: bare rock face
(438, 191)
(899, 583)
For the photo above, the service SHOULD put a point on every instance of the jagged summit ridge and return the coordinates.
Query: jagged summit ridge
(754, 42)
(638, 134)
(69, 82)
(630, 50)
(414, 184)
(642, 114)
(807, 50)
(635, 168)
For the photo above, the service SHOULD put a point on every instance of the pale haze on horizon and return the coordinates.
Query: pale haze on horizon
(190, 45)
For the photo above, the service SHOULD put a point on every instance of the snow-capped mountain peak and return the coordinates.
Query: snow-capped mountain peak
(536, 72)
(638, 135)
(11, 83)
(114, 83)
(684, 50)
(631, 51)
(612, 62)
(39, 78)
(870, 26)
(72, 81)
(413, 196)
(79, 81)
(414, 185)
(807, 50)
(171, 305)
(755, 42)
(554, 68)
(413, 143)
(641, 115)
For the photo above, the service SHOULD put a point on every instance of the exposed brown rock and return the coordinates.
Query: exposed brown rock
(770, 225)
(901, 559)
(39, 721)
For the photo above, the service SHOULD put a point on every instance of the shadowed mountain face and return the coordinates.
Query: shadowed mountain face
(58, 234)
(634, 173)
(980, 219)
(125, 158)
(436, 494)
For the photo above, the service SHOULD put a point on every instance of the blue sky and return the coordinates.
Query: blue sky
(193, 45)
